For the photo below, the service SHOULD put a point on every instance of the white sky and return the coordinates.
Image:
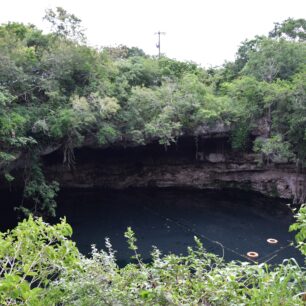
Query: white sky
(203, 31)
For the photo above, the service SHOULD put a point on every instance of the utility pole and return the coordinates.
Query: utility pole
(158, 44)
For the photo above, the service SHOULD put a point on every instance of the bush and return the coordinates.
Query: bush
(33, 256)
(40, 266)
(300, 226)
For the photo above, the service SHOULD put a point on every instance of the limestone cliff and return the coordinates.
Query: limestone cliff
(202, 163)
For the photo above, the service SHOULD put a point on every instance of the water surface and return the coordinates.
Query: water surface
(229, 224)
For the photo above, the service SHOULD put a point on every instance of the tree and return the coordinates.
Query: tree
(275, 59)
(65, 24)
(244, 51)
(292, 29)
(124, 52)
(274, 149)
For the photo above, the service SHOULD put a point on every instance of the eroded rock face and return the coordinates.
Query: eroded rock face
(208, 165)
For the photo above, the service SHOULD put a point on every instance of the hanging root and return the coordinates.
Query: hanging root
(69, 157)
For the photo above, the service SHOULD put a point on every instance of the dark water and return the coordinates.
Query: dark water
(169, 219)
(228, 223)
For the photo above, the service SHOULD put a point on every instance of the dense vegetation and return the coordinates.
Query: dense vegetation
(39, 265)
(56, 92)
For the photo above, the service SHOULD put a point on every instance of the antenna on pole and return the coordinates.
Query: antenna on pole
(158, 44)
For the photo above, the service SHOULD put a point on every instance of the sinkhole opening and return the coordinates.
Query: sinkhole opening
(230, 223)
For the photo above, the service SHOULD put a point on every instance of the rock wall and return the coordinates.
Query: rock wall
(202, 163)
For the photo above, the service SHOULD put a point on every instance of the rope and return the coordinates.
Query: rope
(275, 253)
(264, 259)
(204, 237)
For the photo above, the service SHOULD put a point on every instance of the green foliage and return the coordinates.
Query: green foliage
(5, 157)
(275, 59)
(56, 91)
(40, 266)
(240, 136)
(290, 115)
(72, 90)
(247, 98)
(245, 49)
(39, 193)
(274, 149)
(65, 24)
(12, 124)
(174, 69)
(66, 122)
(32, 257)
(131, 240)
(9, 178)
(139, 71)
(5, 97)
(123, 52)
(42, 194)
(300, 227)
(5, 160)
(197, 278)
(107, 134)
(290, 29)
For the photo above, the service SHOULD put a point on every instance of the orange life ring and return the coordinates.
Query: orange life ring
(272, 241)
(252, 254)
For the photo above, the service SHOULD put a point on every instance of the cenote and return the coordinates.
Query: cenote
(230, 223)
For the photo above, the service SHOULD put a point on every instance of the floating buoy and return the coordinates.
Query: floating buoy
(252, 254)
(272, 241)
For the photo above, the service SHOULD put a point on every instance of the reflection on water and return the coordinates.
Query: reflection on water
(169, 219)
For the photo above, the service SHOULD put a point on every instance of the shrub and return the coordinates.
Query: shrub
(33, 256)
(40, 266)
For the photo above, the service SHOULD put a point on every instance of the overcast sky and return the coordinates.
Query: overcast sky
(203, 31)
